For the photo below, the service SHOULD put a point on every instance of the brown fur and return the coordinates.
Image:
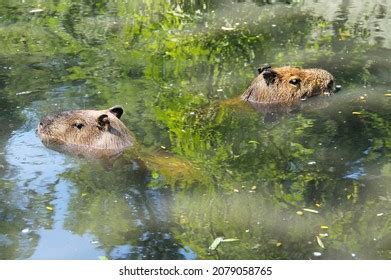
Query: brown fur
(101, 135)
(98, 134)
(288, 85)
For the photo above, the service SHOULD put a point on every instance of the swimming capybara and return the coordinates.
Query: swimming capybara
(101, 135)
(288, 85)
(90, 134)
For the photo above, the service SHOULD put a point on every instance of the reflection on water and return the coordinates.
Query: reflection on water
(368, 17)
(300, 185)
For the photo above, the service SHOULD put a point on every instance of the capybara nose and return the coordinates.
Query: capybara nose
(39, 127)
(330, 85)
(47, 120)
(42, 124)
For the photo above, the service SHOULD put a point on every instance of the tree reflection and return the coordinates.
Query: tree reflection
(175, 66)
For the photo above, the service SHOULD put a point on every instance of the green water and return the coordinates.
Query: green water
(172, 65)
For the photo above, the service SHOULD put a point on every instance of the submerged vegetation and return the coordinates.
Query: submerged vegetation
(311, 184)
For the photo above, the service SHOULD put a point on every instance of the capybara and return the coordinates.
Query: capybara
(101, 135)
(87, 133)
(288, 85)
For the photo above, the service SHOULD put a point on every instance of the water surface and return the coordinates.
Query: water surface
(313, 184)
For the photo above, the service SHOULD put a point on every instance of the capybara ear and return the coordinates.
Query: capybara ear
(103, 121)
(269, 76)
(116, 111)
(263, 68)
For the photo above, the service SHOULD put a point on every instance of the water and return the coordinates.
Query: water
(173, 67)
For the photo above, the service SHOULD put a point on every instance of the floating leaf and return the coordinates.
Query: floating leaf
(37, 10)
(279, 244)
(227, 28)
(356, 113)
(380, 214)
(324, 227)
(300, 213)
(387, 94)
(216, 243)
(311, 210)
(230, 240)
(23, 92)
(49, 208)
(320, 242)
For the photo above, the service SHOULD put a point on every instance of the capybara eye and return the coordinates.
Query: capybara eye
(78, 125)
(295, 82)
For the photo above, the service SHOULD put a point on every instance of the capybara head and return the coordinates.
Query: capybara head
(288, 85)
(86, 133)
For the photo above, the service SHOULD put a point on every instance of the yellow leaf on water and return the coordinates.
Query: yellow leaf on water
(320, 242)
(387, 94)
(356, 113)
(300, 213)
(324, 227)
(37, 10)
(230, 240)
(311, 210)
(49, 208)
(216, 243)
(227, 28)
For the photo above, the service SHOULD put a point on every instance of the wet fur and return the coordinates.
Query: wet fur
(86, 133)
(288, 85)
